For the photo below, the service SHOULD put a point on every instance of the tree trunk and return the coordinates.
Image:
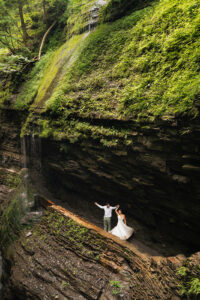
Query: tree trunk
(23, 25)
(44, 10)
(44, 38)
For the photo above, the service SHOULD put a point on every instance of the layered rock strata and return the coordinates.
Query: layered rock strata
(155, 180)
(60, 259)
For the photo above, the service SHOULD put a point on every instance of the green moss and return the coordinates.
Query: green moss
(189, 280)
(79, 236)
(65, 285)
(30, 88)
(5, 94)
(79, 15)
(13, 180)
(10, 226)
(61, 60)
(118, 8)
(116, 287)
(134, 68)
(15, 209)
(137, 65)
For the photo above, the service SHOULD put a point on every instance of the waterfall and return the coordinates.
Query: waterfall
(24, 163)
(31, 152)
(31, 168)
(93, 14)
(35, 152)
(23, 152)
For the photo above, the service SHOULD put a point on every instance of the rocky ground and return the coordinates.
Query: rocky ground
(155, 181)
(60, 259)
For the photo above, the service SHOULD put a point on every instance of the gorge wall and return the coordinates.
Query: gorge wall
(11, 123)
(156, 180)
(152, 180)
(10, 151)
(112, 115)
(10, 162)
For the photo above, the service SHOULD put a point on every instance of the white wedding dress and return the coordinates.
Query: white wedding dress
(122, 230)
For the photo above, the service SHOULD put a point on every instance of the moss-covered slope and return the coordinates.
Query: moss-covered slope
(141, 66)
(145, 64)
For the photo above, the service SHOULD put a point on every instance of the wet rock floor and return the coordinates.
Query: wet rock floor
(143, 238)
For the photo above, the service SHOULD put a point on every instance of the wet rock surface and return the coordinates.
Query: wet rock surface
(10, 153)
(156, 180)
(63, 260)
(10, 149)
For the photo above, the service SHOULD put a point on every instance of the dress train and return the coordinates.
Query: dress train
(122, 230)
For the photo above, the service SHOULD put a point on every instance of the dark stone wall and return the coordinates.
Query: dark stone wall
(10, 151)
(156, 180)
(10, 147)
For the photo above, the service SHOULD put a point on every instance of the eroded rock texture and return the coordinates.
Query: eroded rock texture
(10, 151)
(156, 180)
(63, 260)
(10, 148)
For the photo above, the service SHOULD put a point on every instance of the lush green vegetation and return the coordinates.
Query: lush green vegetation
(30, 87)
(10, 179)
(141, 67)
(23, 22)
(115, 9)
(79, 15)
(10, 225)
(22, 26)
(15, 210)
(21, 40)
(189, 280)
(79, 237)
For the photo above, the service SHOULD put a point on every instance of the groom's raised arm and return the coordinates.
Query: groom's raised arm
(114, 207)
(100, 206)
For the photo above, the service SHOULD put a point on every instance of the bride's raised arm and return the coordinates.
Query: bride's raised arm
(116, 211)
(124, 219)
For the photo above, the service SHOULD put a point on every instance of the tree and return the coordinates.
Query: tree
(44, 6)
(40, 15)
(19, 5)
(9, 30)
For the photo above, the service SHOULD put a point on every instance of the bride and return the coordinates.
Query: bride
(122, 230)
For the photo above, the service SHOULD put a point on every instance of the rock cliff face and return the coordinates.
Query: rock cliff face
(81, 145)
(156, 180)
(156, 183)
(10, 151)
(63, 260)
(10, 161)
(10, 128)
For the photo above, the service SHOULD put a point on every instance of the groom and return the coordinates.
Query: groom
(107, 215)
